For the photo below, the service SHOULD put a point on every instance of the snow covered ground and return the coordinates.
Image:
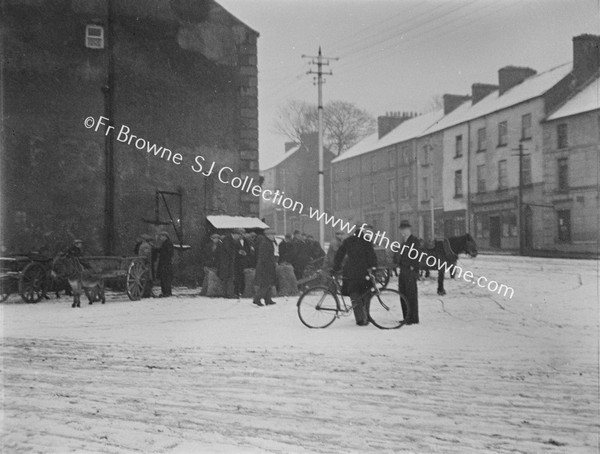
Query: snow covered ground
(189, 374)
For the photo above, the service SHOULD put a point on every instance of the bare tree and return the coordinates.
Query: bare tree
(344, 124)
(295, 119)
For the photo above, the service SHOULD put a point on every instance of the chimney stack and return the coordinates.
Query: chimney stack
(390, 120)
(480, 91)
(451, 102)
(511, 76)
(586, 57)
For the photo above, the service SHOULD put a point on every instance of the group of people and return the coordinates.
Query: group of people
(355, 256)
(232, 253)
(299, 251)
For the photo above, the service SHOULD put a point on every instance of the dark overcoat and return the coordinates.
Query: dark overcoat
(361, 257)
(265, 262)
(227, 253)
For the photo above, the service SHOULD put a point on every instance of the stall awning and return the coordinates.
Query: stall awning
(236, 222)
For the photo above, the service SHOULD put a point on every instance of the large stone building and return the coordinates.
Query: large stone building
(179, 74)
(461, 170)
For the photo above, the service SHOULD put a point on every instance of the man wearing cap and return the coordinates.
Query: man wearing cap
(409, 272)
(361, 258)
(265, 277)
(165, 265)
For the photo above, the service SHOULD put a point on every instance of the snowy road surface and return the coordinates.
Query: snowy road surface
(188, 374)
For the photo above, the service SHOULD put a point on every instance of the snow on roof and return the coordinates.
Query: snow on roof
(530, 88)
(236, 222)
(408, 129)
(586, 100)
(283, 157)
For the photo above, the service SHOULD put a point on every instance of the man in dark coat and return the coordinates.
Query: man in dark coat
(285, 249)
(409, 272)
(227, 257)
(300, 254)
(243, 260)
(209, 253)
(265, 277)
(165, 265)
(361, 258)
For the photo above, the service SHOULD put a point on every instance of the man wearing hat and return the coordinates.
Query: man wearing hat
(361, 258)
(409, 272)
(265, 277)
(165, 264)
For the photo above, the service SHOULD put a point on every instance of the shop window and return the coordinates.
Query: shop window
(392, 189)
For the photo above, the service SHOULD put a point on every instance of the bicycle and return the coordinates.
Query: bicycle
(319, 306)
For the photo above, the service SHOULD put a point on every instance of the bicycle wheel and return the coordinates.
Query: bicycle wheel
(382, 277)
(385, 309)
(317, 307)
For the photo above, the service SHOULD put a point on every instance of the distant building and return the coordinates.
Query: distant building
(296, 174)
(184, 78)
(571, 149)
(459, 170)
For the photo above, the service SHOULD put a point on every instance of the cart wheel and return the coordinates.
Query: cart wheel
(137, 276)
(4, 293)
(31, 282)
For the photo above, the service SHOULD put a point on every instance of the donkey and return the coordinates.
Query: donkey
(81, 279)
(446, 251)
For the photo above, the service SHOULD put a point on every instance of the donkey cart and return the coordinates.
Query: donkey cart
(27, 275)
(130, 273)
(30, 277)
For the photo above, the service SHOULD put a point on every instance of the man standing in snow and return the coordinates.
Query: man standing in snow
(361, 258)
(409, 272)
(265, 277)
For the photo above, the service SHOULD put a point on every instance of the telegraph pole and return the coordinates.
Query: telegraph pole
(521, 155)
(320, 61)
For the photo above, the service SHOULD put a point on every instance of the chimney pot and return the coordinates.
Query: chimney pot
(451, 102)
(480, 91)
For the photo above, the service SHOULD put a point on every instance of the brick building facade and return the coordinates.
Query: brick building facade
(184, 77)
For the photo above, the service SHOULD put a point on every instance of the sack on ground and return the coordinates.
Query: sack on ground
(287, 285)
(214, 286)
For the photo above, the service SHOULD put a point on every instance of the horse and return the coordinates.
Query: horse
(446, 252)
(80, 278)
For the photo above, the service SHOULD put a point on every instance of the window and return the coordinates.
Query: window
(561, 135)
(350, 198)
(563, 174)
(404, 190)
(458, 146)
(392, 159)
(458, 185)
(425, 154)
(482, 225)
(564, 225)
(336, 200)
(481, 139)
(526, 127)
(425, 190)
(502, 175)
(502, 133)
(392, 189)
(526, 169)
(481, 178)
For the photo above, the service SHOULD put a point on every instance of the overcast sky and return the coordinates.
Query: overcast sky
(396, 55)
